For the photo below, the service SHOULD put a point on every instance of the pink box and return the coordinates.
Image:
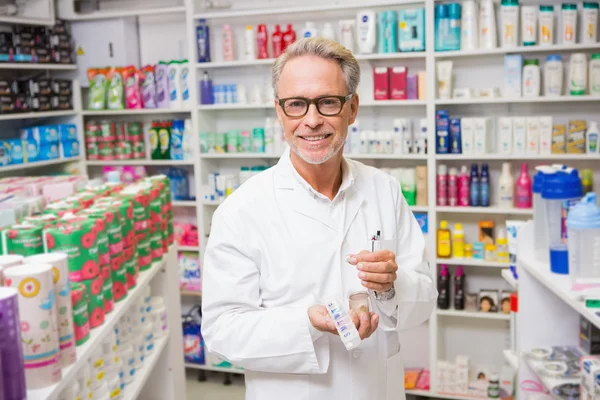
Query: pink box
(397, 83)
(381, 84)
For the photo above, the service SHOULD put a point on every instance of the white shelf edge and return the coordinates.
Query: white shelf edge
(267, 106)
(133, 390)
(226, 156)
(215, 369)
(484, 210)
(470, 314)
(5, 19)
(472, 262)
(134, 111)
(512, 359)
(184, 203)
(508, 277)
(140, 162)
(501, 100)
(188, 248)
(422, 157)
(97, 335)
(36, 115)
(125, 13)
(550, 157)
(516, 50)
(38, 66)
(38, 164)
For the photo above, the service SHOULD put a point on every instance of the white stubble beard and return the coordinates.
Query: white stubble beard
(333, 149)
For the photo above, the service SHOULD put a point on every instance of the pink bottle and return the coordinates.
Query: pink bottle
(228, 49)
(464, 187)
(442, 185)
(452, 187)
(262, 41)
(524, 195)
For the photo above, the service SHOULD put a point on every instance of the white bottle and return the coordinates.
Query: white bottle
(366, 31)
(533, 136)
(553, 75)
(469, 33)
(589, 22)
(488, 37)
(347, 33)
(578, 74)
(505, 131)
(310, 30)
(592, 138)
(509, 12)
(546, 25)
(228, 48)
(545, 135)
(529, 25)
(569, 23)
(188, 140)
(531, 78)
(269, 136)
(506, 187)
(250, 43)
(174, 75)
(328, 32)
(401, 127)
(184, 78)
(595, 74)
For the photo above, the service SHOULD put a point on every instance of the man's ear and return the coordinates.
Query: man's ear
(353, 109)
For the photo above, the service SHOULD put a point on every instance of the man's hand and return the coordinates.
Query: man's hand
(376, 270)
(320, 319)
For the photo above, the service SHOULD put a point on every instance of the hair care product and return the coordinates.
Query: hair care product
(381, 27)
(589, 23)
(459, 288)
(533, 135)
(505, 133)
(595, 74)
(529, 25)
(289, 36)
(347, 33)
(469, 39)
(578, 74)
(262, 41)
(250, 43)
(328, 32)
(475, 191)
(409, 186)
(366, 31)
(464, 186)
(519, 135)
(509, 10)
(442, 185)
(453, 187)
(523, 191)
(444, 79)
(455, 136)
(310, 30)
(592, 138)
(203, 41)
(444, 240)
(553, 75)
(506, 185)
(277, 41)
(228, 47)
(484, 185)
(487, 25)
(411, 29)
(545, 135)
(467, 133)
(458, 241)
(531, 78)
(546, 25)
(391, 33)
(454, 17)
(162, 85)
(443, 301)
(422, 195)
(442, 128)
(569, 23)
(442, 27)
(206, 90)
(174, 74)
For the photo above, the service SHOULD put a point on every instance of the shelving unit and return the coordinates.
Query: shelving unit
(519, 100)
(38, 67)
(38, 164)
(472, 262)
(508, 277)
(134, 111)
(485, 210)
(468, 314)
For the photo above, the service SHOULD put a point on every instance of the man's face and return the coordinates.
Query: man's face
(315, 138)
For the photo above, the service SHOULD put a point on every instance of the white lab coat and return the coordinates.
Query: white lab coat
(271, 252)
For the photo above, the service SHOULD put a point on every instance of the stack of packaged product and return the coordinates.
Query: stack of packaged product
(35, 94)
(165, 85)
(395, 83)
(404, 137)
(72, 262)
(107, 140)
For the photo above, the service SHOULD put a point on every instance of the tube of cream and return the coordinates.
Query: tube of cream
(444, 79)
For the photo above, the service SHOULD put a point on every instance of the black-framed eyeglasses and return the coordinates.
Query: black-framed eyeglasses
(328, 106)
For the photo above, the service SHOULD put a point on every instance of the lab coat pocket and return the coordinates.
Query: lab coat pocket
(394, 373)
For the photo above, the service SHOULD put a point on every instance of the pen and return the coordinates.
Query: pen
(376, 244)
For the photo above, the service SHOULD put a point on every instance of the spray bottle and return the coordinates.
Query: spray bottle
(443, 300)
(464, 186)
(459, 289)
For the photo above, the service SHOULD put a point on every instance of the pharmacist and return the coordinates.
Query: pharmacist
(302, 231)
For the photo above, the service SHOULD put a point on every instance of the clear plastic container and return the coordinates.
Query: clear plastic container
(540, 226)
(560, 191)
(584, 243)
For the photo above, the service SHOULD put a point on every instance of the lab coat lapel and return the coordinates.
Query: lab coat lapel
(354, 201)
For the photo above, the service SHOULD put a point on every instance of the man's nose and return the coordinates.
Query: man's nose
(312, 119)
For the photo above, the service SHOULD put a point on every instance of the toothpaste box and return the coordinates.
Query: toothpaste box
(16, 152)
(381, 84)
(48, 151)
(32, 150)
(69, 149)
(397, 83)
(67, 132)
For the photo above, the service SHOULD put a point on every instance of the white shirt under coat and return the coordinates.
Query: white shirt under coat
(275, 245)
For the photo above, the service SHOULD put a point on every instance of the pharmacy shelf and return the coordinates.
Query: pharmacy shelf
(310, 10)
(524, 157)
(191, 293)
(6, 19)
(393, 103)
(532, 100)
(188, 248)
(508, 277)
(38, 164)
(485, 210)
(473, 262)
(38, 66)
(97, 336)
(184, 203)
(470, 314)
(38, 115)
(134, 111)
(215, 369)
(387, 156)
(518, 50)
(265, 106)
(238, 155)
(427, 393)
(212, 203)
(419, 208)
(133, 390)
(512, 359)
(126, 13)
(147, 162)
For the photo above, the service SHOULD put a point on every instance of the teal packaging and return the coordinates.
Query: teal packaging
(177, 140)
(41, 134)
(32, 150)
(454, 15)
(442, 26)
(48, 151)
(391, 34)
(69, 148)
(411, 29)
(16, 152)
(455, 136)
(4, 153)
(203, 138)
(381, 29)
(67, 132)
(258, 140)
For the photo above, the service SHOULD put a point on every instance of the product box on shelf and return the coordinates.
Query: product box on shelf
(398, 83)
(48, 151)
(16, 151)
(69, 148)
(411, 29)
(589, 336)
(559, 139)
(32, 150)
(67, 132)
(381, 83)
(513, 67)
(576, 137)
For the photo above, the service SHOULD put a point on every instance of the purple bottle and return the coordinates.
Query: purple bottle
(206, 90)
(162, 85)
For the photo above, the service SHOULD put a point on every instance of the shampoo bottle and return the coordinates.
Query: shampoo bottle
(442, 185)
(328, 32)
(453, 187)
(510, 22)
(203, 41)
(464, 192)
(289, 36)
(228, 48)
(488, 38)
(469, 39)
(262, 41)
(277, 41)
(454, 17)
(442, 27)
(484, 184)
(459, 289)
(366, 31)
(250, 42)
(458, 241)
(444, 241)
(206, 90)
(592, 138)
(443, 301)
(391, 33)
(474, 186)
(506, 185)
(523, 189)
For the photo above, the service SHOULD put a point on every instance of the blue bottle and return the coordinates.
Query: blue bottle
(442, 128)
(454, 15)
(484, 186)
(455, 136)
(475, 192)
(442, 26)
(206, 90)
(203, 41)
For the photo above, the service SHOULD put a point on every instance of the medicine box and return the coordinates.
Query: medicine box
(559, 139)
(482, 131)
(513, 69)
(381, 83)
(505, 133)
(15, 151)
(48, 151)
(576, 137)
(69, 149)
(411, 29)
(397, 83)
(41, 134)
(67, 132)
(32, 151)
(589, 336)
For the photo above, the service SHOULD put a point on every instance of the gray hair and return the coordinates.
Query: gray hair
(326, 49)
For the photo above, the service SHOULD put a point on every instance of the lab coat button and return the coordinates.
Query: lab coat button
(357, 353)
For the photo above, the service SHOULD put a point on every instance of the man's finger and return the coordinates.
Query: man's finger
(375, 256)
(364, 329)
(374, 322)
(380, 287)
(377, 278)
(377, 267)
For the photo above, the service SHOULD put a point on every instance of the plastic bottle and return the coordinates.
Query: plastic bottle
(409, 186)
(529, 25)
(578, 74)
(487, 25)
(509, 10)
(531, 78)
(347, 33)
(381, 28)
(546, 25)
(442, 185)
(459, 289)
(592, 138)
(506, 187)
(469, 39)
(391, 32)
(484, 185)
(443, 301)
(553, 75)
(328, 32)
(250, 43)
(589, 23)
(289, 36)
(228, 47)
(310, 30)
(595, 74)
(569, 23)
(454, 16)
(583, 224)
(206, 90)
(453, 187)
(587, 180)
(474, 186)
(277, 41)
(442, 26)
(366, 31)
(464, 192)
(458, 241)
(203, 41)
(262, 41)
(523, 189)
